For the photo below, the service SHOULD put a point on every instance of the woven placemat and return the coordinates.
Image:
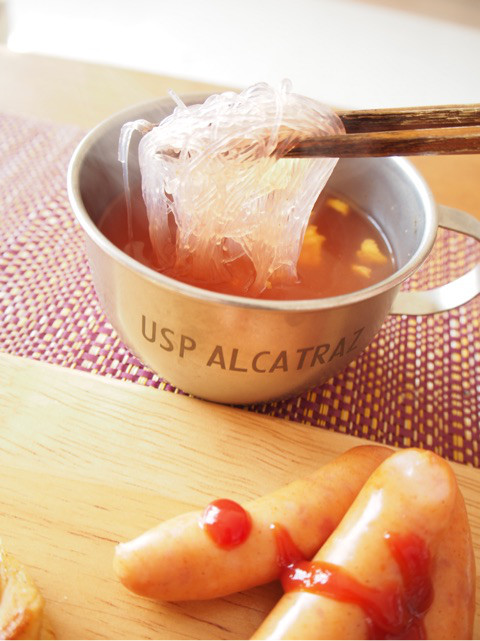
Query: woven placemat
(417, 384)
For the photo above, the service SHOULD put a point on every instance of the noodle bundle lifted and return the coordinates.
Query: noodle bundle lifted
(222, 203)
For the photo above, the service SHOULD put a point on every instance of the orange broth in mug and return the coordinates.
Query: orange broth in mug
(343, 251)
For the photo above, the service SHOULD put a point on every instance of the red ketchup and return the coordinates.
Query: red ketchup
(393, 612)
(226, 522)
(287, 552)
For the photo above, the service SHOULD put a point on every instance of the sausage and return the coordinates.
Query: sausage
(404, 543)
(179, 561)
(451, 615)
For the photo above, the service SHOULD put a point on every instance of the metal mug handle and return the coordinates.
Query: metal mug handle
(453, 294)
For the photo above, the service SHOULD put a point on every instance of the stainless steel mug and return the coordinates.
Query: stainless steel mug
(241, 350)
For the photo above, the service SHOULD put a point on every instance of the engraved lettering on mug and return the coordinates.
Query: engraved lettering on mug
(303, 352)
(263, 362)
(166, 338)
(233, 362)
(168, 346)
(187, 344)
(255, 360)
(152, 334)
(280, 362)
(320, 351)
(356, 336)
(339, 350)
(217, 357)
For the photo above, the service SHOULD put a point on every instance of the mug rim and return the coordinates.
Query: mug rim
(205, 295)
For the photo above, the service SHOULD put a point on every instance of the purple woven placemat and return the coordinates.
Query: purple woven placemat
(417, 384)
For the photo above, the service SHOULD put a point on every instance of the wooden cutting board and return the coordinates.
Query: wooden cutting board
(86, 462)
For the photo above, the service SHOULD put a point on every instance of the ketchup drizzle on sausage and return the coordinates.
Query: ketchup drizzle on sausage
(393, 612)
(287, 552)
(226, 522)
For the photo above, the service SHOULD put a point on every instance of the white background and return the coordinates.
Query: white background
(340, 51)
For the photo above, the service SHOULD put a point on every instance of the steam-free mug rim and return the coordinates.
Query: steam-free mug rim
(73, 185)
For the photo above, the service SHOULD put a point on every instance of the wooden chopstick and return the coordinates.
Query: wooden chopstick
(456, 140)
(410, 131)
(410, 118)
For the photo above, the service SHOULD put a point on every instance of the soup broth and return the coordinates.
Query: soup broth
(343, 251)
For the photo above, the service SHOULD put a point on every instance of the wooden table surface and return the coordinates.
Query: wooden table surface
(86, 462)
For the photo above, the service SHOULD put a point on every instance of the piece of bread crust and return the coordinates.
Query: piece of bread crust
(21, 604)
